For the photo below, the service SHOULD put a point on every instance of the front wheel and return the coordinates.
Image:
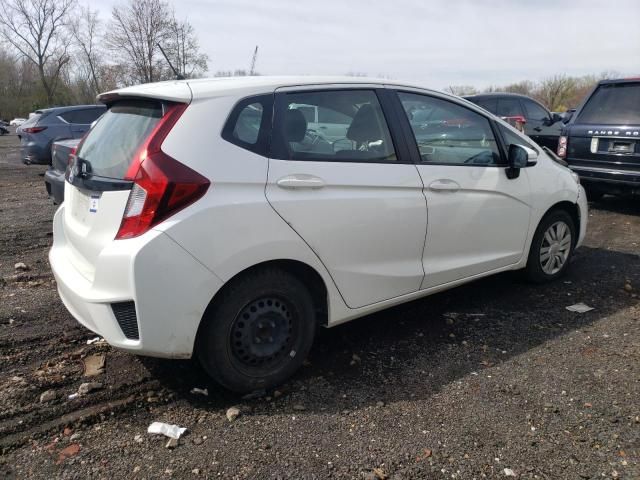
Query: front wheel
(551, 247)
(258, 333)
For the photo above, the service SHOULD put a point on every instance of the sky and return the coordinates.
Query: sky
(434, 42)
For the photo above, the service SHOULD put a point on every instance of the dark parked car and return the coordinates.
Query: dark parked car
(39, 132)
(540, 124)
(54, 177)
(601, 143)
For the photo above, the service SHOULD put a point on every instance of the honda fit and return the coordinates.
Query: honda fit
(227, 219)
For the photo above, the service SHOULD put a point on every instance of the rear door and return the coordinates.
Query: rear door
(352, 193)
(96, 191)
(478, 218)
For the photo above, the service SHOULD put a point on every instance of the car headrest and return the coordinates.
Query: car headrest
(364, 126)
(295, 126)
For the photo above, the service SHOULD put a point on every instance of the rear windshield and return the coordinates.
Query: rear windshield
(613, 104)
(113, 142)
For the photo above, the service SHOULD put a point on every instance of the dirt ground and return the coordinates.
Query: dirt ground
(492, 380)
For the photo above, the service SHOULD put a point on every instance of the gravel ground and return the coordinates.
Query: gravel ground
(491, 380)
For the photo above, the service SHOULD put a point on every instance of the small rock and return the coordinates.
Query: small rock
(197, 441)
(21, 267)
(299, 407)
(232, 414)
(138, 439)
(277, 393)
(380, 404)
(356, 358)
(172, 443)
(88, 387)
(48, 396)
(427, 452)
(136, 469)
(67, 431)
(75, 436)
(509, 473)
(196, 471)
(628, 287)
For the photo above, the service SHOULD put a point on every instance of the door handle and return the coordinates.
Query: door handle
(538, 129)
(444, 185)
(300, 181)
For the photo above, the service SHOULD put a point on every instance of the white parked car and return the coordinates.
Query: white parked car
(227, 219)
(16, 122)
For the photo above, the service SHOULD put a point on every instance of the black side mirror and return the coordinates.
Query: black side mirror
(567, 117)
(518, 158)
(556, 118)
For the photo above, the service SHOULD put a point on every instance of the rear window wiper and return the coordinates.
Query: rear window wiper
(79, 174)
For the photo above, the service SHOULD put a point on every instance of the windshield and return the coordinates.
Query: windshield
(613, 104)
(113, 142)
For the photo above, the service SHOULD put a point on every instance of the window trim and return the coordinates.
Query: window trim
(262, 145)
(411, 141)
(397, 140)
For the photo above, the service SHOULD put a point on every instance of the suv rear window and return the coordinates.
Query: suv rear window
(613, 104)
(112, 143)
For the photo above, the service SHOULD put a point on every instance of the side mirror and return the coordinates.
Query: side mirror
(520, 157)
(568, 116)
(556, 118)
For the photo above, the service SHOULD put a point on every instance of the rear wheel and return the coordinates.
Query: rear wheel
(258, 333)
(551, 247)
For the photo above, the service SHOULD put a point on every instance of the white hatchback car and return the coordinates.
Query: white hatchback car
(228, 218)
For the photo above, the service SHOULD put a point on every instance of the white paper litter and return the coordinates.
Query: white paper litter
(579, 308)
(200, 391)
(73, 396)
(171, 431)
(93, 340)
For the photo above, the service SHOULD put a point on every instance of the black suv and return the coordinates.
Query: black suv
(601, 143)
(540, 124)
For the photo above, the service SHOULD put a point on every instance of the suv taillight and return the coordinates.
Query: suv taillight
(562, 147)
(162, 185)
(34, 129)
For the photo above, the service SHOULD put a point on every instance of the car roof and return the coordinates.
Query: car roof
(619, 80)
(66, 108)
(186, 90)
(497, 94)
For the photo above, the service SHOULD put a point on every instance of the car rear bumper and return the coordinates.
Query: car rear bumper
(168, 291)
(608, 176)
(54, 182)
(32, 153)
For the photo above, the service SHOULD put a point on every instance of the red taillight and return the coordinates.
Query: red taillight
(34, 129)
(162, 185)
(562, 147)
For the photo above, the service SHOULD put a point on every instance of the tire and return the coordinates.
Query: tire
(258, 333)
(539, 271)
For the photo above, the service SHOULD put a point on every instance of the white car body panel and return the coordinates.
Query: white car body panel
(174, 270)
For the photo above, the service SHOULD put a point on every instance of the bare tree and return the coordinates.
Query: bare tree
(555, 91)
(86, 31)
(133, 36)
(184, 51)
(37, 30)
(461, 90)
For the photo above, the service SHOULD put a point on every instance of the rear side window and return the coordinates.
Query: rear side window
(332, 126)
(113, 142)
(489, 104)
(613, 104)
(509, 107)
(249, 124)
(84, 116)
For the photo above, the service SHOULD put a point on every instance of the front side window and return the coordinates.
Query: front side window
(510, 138)
(335, 125)
(509, 107)
(448, 133)
(535, 111)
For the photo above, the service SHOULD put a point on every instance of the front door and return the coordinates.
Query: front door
(353, 197)
(478, 218)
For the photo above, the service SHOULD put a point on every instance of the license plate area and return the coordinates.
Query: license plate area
(616, 146)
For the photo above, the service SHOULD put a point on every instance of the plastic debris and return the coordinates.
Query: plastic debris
(73, 396)
(171, 431)
(200, 391)
(579, 308)
(93, 340)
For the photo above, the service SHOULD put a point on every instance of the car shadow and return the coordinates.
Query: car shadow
(414, 350)
(615, 204)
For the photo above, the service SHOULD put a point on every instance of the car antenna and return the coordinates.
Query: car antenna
(179, 76)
